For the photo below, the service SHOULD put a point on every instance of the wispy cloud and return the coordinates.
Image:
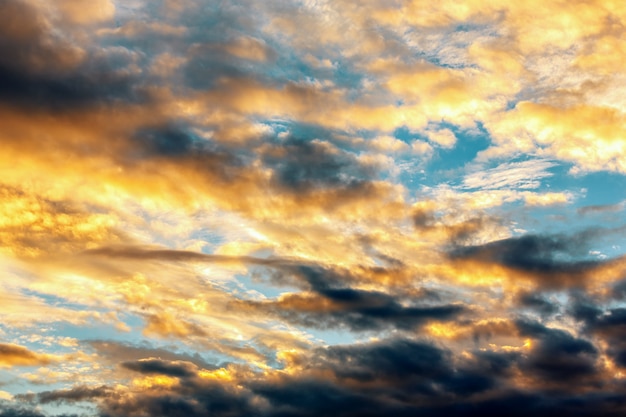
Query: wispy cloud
(510, 175)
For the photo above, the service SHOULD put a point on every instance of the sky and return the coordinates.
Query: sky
(312, 208)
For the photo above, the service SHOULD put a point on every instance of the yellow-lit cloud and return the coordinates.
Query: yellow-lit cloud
(16, 355)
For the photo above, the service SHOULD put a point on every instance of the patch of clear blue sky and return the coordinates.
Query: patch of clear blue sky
(445, 165)
(602, 188)
(599, 190)
(340, 336)
(596, 207)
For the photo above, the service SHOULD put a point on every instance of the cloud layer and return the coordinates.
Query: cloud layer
(312, 208)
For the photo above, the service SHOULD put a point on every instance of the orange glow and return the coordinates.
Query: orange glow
(152, 382)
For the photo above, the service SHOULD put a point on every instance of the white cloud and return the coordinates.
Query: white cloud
(520, 175)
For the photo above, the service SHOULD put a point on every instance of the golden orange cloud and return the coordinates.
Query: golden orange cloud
(15, 355)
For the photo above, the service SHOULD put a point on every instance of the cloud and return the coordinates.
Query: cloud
(604, 208)
(158, 366)
(19, 412)
(86, 12)
(398, 375)
(73, 395)
(416, 375)
(328, 305)
(520, 175)
(28, 43)
(116, 352)
(23, 310)
(43, 70)
(558, 356)
(393, 361)
(318, 208)
(443, 137)
(609, 325)
(15, 355)
(538, 303)
(550, 260)
(148, 253)
(353, 309)
(590, 146)
(302, 165)
(34, 225)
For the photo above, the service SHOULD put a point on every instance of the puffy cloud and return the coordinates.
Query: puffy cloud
(589, 136)
(85, 12)
(358, 379)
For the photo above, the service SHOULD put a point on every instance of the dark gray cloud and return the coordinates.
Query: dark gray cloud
(76, 394)
(305, 165)
(315, 397)
(161, 367)
(609, 325)
(523, 404)
(392, 360)
(330, 301)
(396, 376)
(11, 410)
(583, 308)
(19, 412)
(334, 303)
(529, 252)
(178, 145)
(538, 303)
(189, 399)
(601, 209)
(72, 89)
(167, 141)
(606, 324)
(40, 68)
(355, 310)
(557, 355)
(407, 369)
(495, 364)
(404, 377)
(116, 352)
(23, 41)
(553, 259)
(619, 290)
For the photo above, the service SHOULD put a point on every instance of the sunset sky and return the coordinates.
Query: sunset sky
(312, 208)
